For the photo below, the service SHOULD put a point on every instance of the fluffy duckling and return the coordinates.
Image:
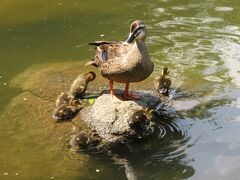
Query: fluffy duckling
(69, 110)
(63, 98)
(163, 82)
(84, 139)
(79, 85)
(65, 112)
(141, 118)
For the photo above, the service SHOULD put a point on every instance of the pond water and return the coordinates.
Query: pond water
(198, 41)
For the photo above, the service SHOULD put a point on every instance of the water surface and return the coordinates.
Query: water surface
(198, 41)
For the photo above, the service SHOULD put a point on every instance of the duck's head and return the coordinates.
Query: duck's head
(165, 71)
(91, 76)
(137, 31)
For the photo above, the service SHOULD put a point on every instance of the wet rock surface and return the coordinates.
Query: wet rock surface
(111, 120)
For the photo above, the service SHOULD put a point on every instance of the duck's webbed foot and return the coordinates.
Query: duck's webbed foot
(131, 96)
(128, 95)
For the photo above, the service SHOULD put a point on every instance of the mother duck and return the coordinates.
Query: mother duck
(124, 62)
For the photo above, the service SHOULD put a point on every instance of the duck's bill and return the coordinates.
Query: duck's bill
(56, 118)
(130, 38)
(134, 34)
(163, 90)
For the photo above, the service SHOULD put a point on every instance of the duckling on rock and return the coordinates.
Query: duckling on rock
(63, 98)
(65, 112)
(79, 85)
(141, 120)
(163, 82)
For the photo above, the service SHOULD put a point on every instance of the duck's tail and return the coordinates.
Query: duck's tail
(92, 62)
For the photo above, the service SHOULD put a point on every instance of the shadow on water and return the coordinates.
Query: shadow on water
(161, 154)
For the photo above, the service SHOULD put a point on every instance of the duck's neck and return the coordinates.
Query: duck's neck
(142, 48)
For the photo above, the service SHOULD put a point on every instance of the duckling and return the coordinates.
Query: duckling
(141, 118)
(65, 112)
(63, 98)
(163, 82)
(80, 84)
(83, 139)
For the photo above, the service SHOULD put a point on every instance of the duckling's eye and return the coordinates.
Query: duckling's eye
(137, 117)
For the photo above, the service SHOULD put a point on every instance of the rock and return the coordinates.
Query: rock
(41, 84)
(111, 119)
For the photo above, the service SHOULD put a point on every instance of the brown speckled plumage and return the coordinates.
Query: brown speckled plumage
(125, 62)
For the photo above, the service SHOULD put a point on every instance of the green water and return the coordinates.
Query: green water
(198, 40)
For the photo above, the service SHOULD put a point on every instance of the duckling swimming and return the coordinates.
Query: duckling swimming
(84, 139)
(163, 82)
(124, 62)
(79, 85)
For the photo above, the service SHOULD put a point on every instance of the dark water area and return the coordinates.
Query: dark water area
(198, 41)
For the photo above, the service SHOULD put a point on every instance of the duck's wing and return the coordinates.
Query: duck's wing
(109, 56)
(101, 53)
(115, 63)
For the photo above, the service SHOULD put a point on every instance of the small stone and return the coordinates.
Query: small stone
(5, 174)
(16, 174)
(52, 177)
(5, 84)
(0, 77)
(97, 170)
(24, 99)
(102, 35)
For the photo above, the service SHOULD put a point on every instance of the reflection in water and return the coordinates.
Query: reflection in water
(229, 52)
(153, 156)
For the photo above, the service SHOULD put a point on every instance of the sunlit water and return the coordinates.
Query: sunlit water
(198, 41)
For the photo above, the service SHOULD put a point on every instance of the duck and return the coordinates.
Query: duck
(163, 82)
(124, 62)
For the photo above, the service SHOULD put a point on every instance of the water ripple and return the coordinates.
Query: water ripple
(223, 9)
